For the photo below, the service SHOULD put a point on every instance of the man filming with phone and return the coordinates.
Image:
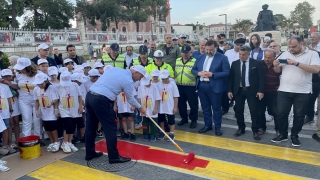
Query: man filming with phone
(295, 87)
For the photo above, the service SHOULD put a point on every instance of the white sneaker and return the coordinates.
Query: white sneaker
(49, 148)
(4, 168)
(3, 151)
(73, 148)
(11, 150)
(65, 147)
(137, 126)
(55, 147)
(3, 162)
(269, 118)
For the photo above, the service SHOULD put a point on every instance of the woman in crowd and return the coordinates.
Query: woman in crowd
(257, 52)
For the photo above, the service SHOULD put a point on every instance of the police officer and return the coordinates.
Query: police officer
(182, 40)
(175, 41)
(113, 58)
(159, 64)
(99, 105)
(186, 83)
(143, 58)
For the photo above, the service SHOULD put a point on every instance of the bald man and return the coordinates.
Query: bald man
(277, 47)
(202, 49)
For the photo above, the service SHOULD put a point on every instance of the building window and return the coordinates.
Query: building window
(161, 30)
(113, 30)
(124, 29)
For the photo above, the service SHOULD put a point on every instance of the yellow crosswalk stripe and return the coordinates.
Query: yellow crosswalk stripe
(265, 150)
(62, 170)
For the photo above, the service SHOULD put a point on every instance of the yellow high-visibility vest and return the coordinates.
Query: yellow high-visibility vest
(119, 62)
(183, 74)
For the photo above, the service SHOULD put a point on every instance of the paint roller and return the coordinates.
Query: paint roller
(143, 127)
(189, 157)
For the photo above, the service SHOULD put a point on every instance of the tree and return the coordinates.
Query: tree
(243, 25)
(4, 13)
(280, 20)
(50, 13)
(303, 14)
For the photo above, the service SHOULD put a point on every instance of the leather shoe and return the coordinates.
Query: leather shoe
(193, 124)
(239, 132)
(97, 154)
(182, 122)
(218, 132)
(119, 160)
(205, 129)
(256, 136)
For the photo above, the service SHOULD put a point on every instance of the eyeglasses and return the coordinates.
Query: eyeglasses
(87, 68)
(183, 38)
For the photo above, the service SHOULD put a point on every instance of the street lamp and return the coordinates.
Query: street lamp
(225, 23)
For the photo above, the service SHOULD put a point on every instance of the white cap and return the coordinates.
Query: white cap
(145, 80)
(140, 69)
(41, 61)
(155, 72)
(63, 69)
(52, 70)
(94, 72)
(65, 79)
(164, 74)
(266, 38)
(40, 78)
(77, 77)
(84, 65)
(80, 71)
(98, 65)
(22, 63)
(182, 35)
(107, 67)
(6, 72)
(78, 67)
(158, 54)
(240, 33)
(67, 60)
(43, 46)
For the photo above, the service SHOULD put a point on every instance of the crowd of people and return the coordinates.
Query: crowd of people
(49, 93)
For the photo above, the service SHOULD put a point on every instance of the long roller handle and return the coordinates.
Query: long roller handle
(175, 144)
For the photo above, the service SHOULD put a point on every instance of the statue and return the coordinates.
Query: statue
(265, 20)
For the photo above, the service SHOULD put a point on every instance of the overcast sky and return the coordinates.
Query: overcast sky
(207, 11)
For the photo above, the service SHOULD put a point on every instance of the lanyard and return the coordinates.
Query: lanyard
(68, 96)
(147, 93)
(28, 89)
(164, 92)
(124, 97)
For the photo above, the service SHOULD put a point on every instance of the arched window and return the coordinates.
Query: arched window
(114, 30)
(161, 30)
(124, 29)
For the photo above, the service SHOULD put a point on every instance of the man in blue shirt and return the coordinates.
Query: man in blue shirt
(99, 105)
(43, 50)
(202, 49)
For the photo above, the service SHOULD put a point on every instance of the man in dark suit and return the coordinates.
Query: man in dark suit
(246, 82)
(211, 70)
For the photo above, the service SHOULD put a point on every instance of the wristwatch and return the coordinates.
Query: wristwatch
(297, 64)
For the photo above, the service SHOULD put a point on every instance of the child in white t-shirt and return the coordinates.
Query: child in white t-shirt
(79, 80)
(155, 76)
(14, 121)
(43, 65)
(86, 69)
(70, 107)
(68, 63)
(148, 97)
(95, 56)
(47, 108)
(169, 94)
(3, 168)
(125, 111)
(99, 66)
(5, 113)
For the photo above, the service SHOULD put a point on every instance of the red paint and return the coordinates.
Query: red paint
(146, 153)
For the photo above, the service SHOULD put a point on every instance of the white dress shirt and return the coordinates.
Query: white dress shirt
(317, 48)
(247, 72)
(232, 55)
(207, 68)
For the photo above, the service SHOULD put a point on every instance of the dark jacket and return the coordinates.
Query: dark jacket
(173, 55)
(58, 59)
(78, 60)
(256, 77)
(51, 61)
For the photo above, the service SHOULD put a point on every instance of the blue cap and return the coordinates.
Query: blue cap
(185, 48)
(143, 49)
(114, 47)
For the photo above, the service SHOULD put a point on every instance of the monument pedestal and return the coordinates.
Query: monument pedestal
(276, 35)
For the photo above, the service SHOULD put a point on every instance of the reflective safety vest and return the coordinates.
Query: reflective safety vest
(183, 72)
(119, 62)
(153, 66)
(136, 61)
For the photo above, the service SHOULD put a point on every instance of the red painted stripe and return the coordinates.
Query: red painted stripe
(146, 153)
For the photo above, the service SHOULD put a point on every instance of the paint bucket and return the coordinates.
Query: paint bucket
(29, 147)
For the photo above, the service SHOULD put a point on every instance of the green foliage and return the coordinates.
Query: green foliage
(242, 25)
(53, 13)
(194, 26)
(4, 13)
(5, 60)
(303, 14)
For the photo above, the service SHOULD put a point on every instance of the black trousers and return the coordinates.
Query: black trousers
(253, 103)
(225, 101)
(100, 109)
(188, 93)
(285, 100)
(269, 101)
(311, 102)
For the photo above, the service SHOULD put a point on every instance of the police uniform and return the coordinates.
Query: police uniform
(118, 61)
(159, 55)
(186, 83)
(137, 61)
(99, 106)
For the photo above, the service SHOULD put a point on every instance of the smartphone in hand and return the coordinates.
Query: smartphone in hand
(283, 61)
